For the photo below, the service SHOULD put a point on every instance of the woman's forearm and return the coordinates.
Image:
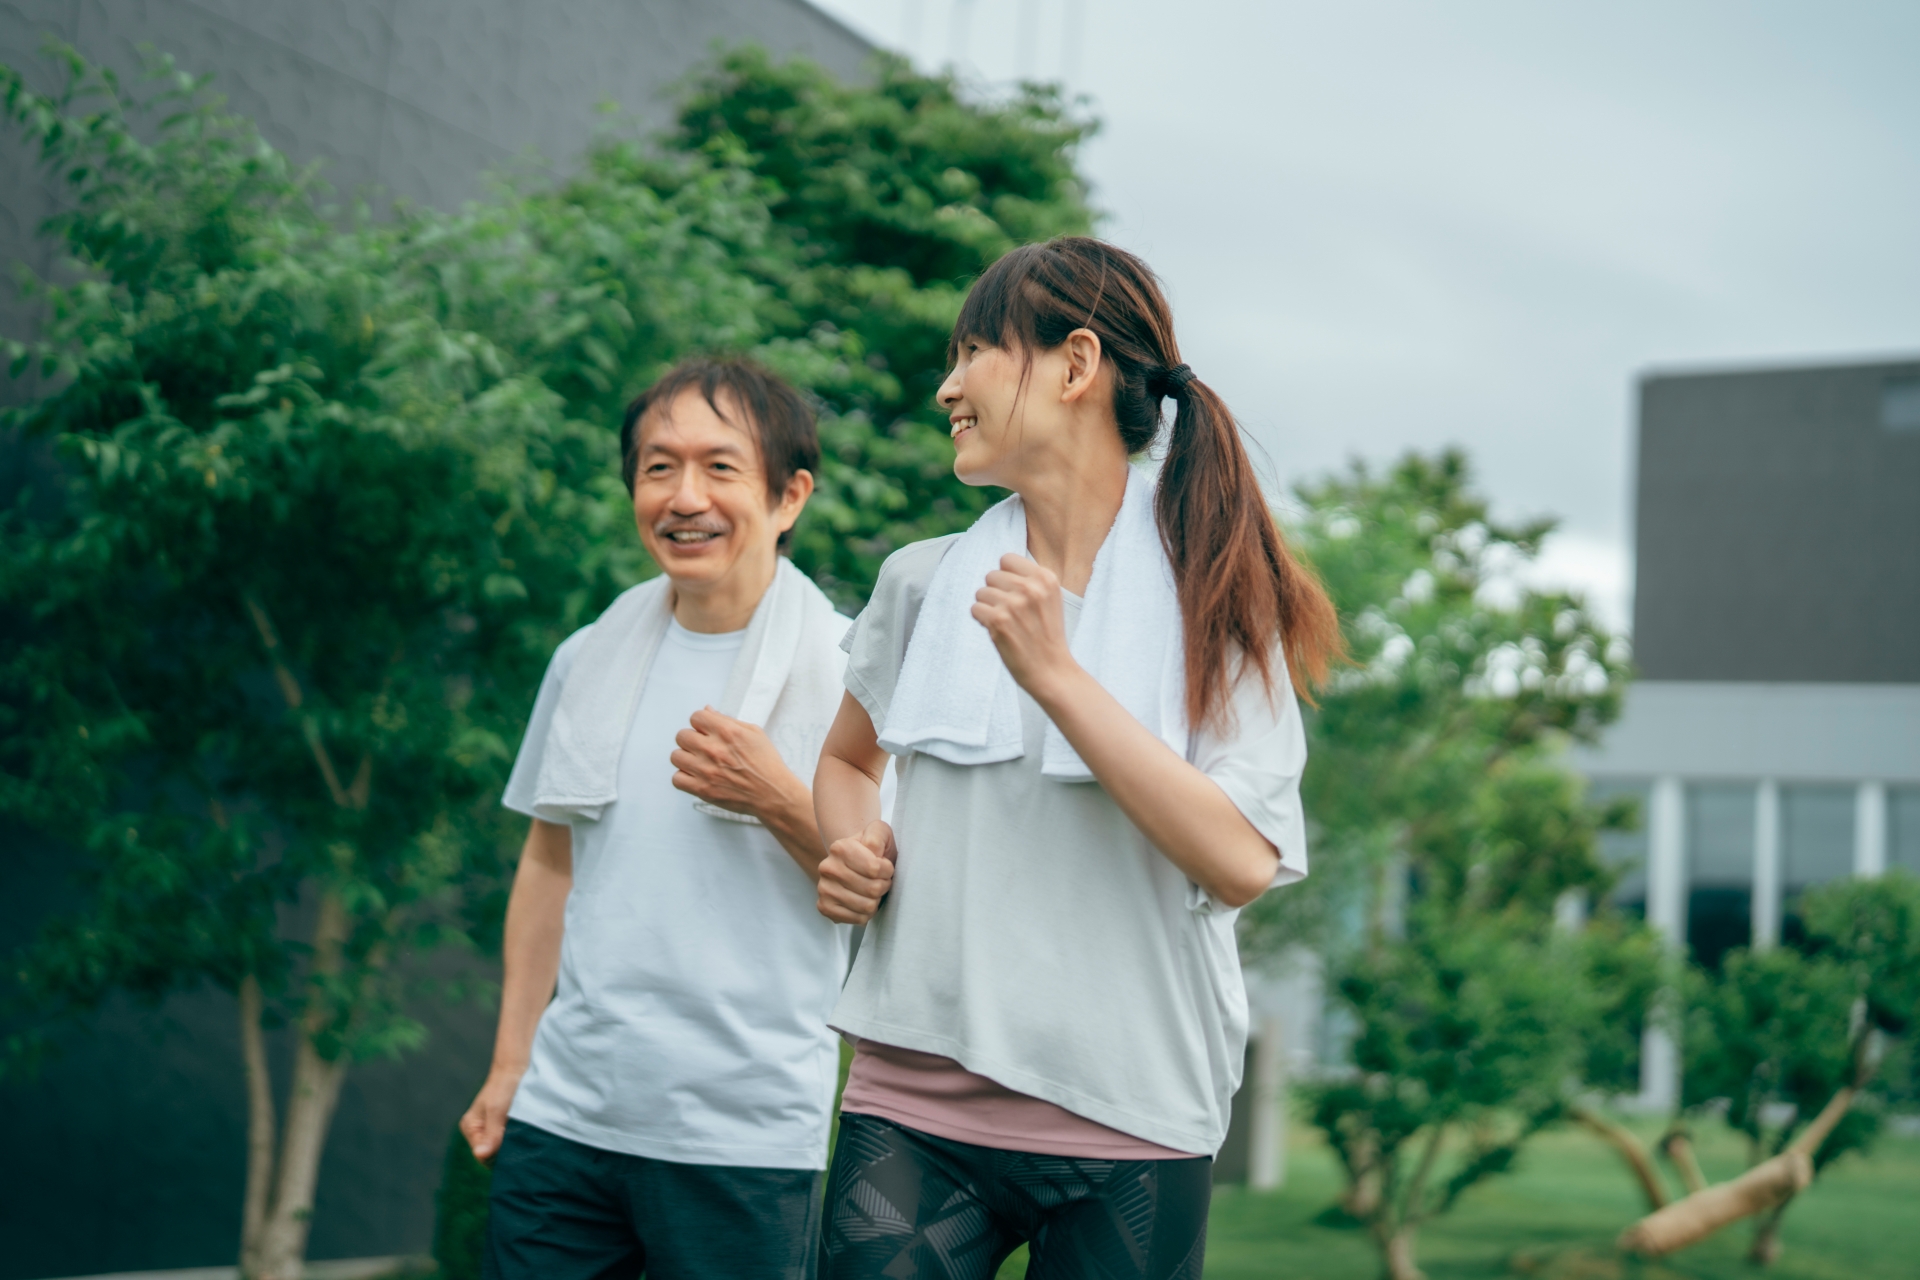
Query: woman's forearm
(1178, 808)
(846, 784)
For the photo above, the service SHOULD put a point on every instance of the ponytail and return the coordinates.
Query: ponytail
(1239, 586)
(1235, 576)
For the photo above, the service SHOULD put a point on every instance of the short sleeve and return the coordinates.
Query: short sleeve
(1258, 763)
(876, 644)
(526, 766)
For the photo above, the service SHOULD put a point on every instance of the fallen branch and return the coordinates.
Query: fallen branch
(1630, 1149)
(1677, 1147)
(1767, 1185)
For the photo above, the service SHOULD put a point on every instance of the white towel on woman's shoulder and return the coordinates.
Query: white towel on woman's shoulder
(788, 679)
(955, 699)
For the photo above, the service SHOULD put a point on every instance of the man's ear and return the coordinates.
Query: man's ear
(1083, 356)
(793, 501)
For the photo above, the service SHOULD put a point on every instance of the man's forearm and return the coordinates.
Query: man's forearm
(792, 824)
(536, 921)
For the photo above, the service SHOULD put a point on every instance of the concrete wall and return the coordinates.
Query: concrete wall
(416, 99)
(127, 1152)
(1778, 529)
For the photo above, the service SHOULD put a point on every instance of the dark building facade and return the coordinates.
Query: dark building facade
(1778, 517)
(1773, 738)
(127, 1151)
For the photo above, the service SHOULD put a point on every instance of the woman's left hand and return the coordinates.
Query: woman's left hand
(1020, 608)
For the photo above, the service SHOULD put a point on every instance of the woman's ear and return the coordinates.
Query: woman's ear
(1082, 351)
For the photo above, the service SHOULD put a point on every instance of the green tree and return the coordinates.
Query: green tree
(1445, 814)
(887, 200)
(314, 536)
(332, 491)
(1792, 1044)
(1432, 745)
(1468, 1033)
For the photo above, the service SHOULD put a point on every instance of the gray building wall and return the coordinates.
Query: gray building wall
(127, 1152)
(416, 99)
(1778, 525)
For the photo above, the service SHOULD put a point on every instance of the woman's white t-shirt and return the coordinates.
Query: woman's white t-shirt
(1033, 934)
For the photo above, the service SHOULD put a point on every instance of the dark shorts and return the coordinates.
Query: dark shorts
(905, 1203)
(561, 1210)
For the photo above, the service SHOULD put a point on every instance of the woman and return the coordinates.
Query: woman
(1087, 695)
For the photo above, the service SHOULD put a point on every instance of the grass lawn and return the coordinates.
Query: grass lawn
(1554, 1216)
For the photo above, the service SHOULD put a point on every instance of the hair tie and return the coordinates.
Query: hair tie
(1170, 382)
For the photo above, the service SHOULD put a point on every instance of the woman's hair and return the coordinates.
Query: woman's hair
(1239, 585)
(778, 417)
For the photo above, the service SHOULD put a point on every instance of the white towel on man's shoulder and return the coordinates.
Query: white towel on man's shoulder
(788, 679)
(956, 700)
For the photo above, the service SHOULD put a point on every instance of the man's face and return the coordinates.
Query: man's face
(700, 495)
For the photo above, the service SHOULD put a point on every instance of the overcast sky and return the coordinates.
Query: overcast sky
(1394, 225)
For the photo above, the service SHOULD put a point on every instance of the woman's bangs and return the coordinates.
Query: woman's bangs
(998, 311)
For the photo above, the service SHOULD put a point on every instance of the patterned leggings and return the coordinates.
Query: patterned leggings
(904, 1205)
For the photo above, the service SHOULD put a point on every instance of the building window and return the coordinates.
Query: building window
(1900, 404)
(1903, 828)
(1816, 846)
(1626, 851)
(1720, 844)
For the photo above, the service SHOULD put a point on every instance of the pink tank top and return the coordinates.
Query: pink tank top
(937, 1095)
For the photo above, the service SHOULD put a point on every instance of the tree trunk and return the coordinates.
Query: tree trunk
(1362, 1196)
(1630, 1150)
(1678, 1149)
(1396, 1249)
(1767, 1185)
(282, 1250)
(260, 1125)
(1766, 1241)
(279, 1246)
(316, 1088)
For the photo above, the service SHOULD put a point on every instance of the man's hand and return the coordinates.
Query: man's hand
(1021, 609)
(733, 765)
(856, 875)
(485, 1123)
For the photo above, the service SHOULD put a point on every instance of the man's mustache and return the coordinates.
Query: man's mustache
(693, 524)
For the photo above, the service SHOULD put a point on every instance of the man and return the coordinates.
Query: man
(667, 1112)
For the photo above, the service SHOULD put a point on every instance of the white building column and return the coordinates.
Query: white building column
(1667, 860)
(1667, 913)
(1870, 829)
(1766, 865)
(1267, 1162)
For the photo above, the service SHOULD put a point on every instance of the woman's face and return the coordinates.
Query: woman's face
(994, 415)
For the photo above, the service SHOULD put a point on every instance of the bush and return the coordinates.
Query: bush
(460, 1212)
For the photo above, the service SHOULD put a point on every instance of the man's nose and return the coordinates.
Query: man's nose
(691, 497)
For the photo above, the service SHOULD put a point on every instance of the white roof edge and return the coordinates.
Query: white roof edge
(1790, 732)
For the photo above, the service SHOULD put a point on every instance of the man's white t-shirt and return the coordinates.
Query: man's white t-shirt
(689, 1023)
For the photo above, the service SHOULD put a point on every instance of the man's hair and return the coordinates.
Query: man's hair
(778, 417)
